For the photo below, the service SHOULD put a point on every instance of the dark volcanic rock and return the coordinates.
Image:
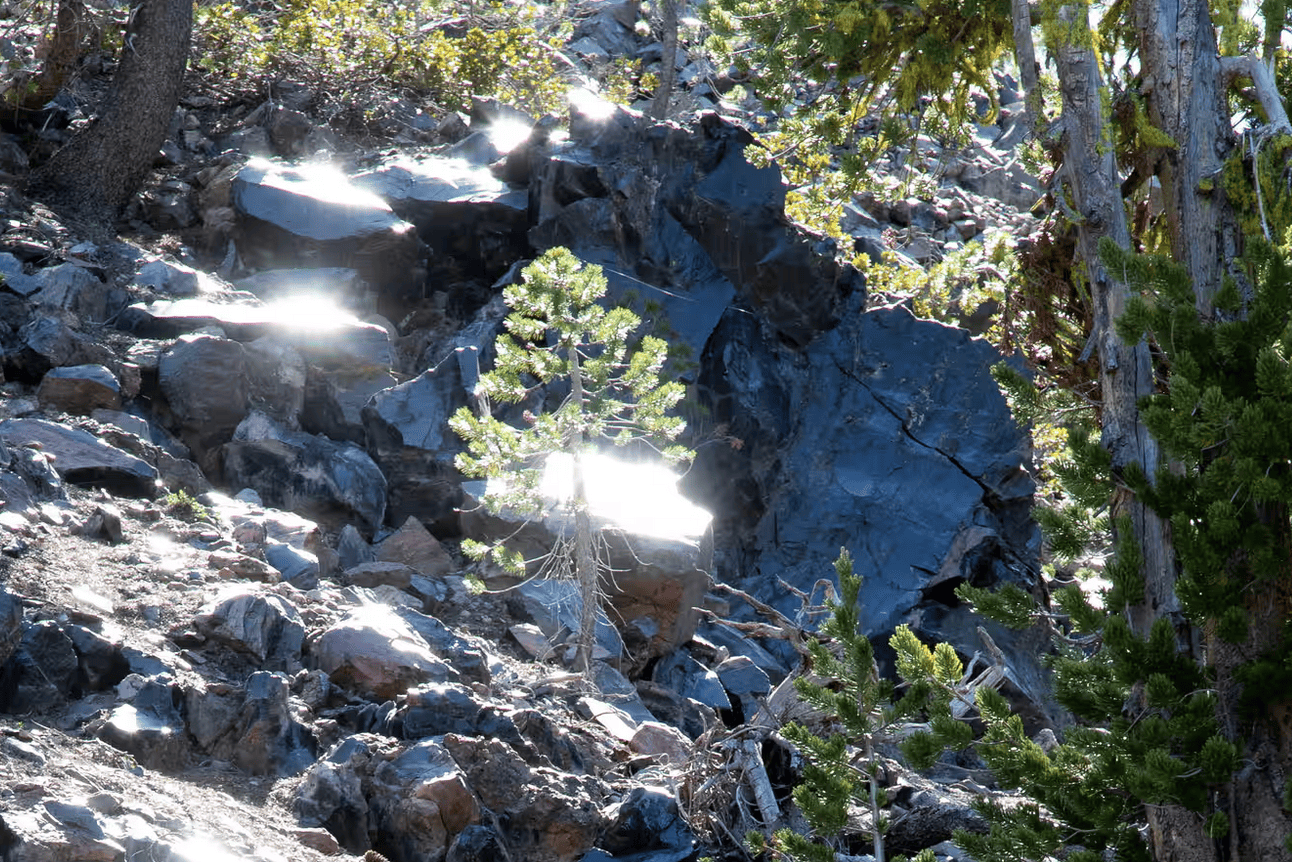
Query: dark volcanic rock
(83, 459)
(322, 479)
(151, 727)
(205, 381)
(260, 624)
(41, 672)
(460, 210)
(285, 216)
(409, 437)
(80, 389)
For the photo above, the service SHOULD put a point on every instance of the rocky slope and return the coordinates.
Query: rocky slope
(295, 667)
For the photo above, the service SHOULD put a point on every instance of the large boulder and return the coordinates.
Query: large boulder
(460, 210)
(408, 436)
(205, 381)
(261, 736)
(328, 481)
(80, 389)
(262, 625)
(377, 654)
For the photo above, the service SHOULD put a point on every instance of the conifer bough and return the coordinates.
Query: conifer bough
(558, 335)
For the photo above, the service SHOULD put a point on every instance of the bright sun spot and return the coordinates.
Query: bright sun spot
(507, 134)
(202, 848)
(326, 182)
(310, 311)
(590, 104)
(640, 498)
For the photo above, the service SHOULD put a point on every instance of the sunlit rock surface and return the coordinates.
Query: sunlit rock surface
(286, 213)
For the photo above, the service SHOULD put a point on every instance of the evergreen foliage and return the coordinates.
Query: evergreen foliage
(827, 65)
(558, 336)
(852, 692)
(1148, 731)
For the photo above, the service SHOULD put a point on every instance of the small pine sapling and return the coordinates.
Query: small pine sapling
(558, 333)
(842, 769)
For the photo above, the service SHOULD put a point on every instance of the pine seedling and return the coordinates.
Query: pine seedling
(558, 334)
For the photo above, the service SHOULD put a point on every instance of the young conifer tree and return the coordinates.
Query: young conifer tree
(556, 335)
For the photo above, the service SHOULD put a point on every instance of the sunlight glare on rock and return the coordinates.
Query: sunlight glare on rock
(507, 133)
(589, 104)
(202, 848)
(307, 310)
(640, 498)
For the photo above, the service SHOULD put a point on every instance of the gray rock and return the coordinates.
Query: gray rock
(283, 214)
(352, 548)
(467, 659)
(47, 342)
(374, 652)
(74, 288)
(205, 381)
(476, 843)
(377, 573)
(408, 436)
(169, 277)
(744, 681)
(267, 738)
(459, 209)
(100, 662)
(322, 479)
(276, 380)
(150, 727)
(556, 607)
(434, 709)
(332, 793)
(83, 459)
(15, 278)
(683, 674)
(646, 822)
(79, 389)
(421, 801)
(261, 624)
(125, 421)
(41, 672)
(889, 437)
(296, 566)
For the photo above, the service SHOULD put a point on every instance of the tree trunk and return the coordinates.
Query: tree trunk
(64, 53)
(668, 66)
(1183, 86)
(585, 559)
(95, 175)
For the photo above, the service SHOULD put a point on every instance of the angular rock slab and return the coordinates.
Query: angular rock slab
(83, 459)
(460, 210)
(409, 437)
(205, 381)
(305, 473)
(284, 215)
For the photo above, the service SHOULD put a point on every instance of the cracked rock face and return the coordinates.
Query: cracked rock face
(885, 435)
